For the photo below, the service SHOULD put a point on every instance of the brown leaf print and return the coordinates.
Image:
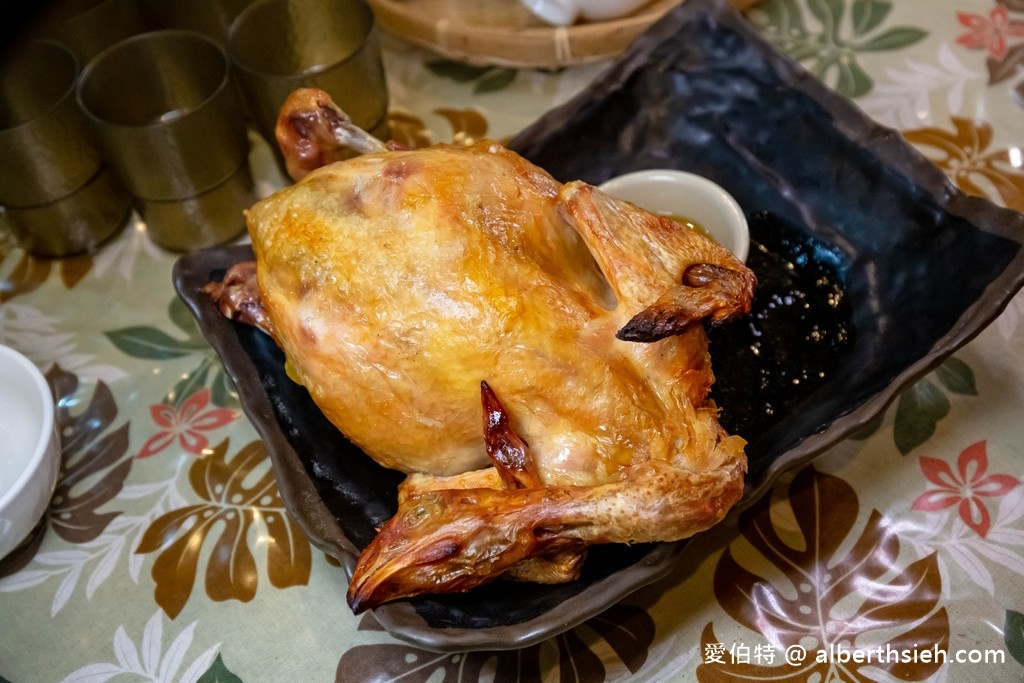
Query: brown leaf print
(21, 556)
(828, 591)
(26, 274)
(1001, 69)
(965, 157)
(74, 268)
(627, 630)
(233, 503)
(93, 468)
(468, 125)
(408, 130)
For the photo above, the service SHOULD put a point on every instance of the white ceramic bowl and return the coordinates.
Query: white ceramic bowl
(566, 12)
(668, 192)
(29, 448)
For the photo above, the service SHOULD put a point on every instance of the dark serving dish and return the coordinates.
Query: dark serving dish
(919, 267)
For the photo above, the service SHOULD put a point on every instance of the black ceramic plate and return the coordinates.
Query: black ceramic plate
(914, 269)
(924, 267)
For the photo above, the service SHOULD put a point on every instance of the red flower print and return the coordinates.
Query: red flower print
(989, 34)
(186, 424)
(965, 487)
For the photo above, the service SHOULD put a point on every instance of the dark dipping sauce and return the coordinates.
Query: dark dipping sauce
(799, 328)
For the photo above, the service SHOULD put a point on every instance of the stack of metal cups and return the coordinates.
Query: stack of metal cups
(59, 196)
(99, 114)
(168, 119)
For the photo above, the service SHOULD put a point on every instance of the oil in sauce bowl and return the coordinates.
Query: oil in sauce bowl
(690, 224)
(694, 198)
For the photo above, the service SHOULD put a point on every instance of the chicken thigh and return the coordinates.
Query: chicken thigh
(531, 352)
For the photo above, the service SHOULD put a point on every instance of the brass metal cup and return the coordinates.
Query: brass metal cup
(168, 119)
(79, 222)
(59, 196)
(212, 17)
(87, 27)
(277, 46)
(204, 219)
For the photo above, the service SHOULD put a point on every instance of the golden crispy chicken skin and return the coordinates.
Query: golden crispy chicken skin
(398, 281)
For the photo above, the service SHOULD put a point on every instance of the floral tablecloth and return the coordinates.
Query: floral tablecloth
(167, 554)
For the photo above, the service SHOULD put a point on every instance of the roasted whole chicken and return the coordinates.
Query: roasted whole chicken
(531, 353)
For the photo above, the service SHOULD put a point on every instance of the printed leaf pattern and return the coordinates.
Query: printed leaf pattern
(21, 272)
(921, 407)
(233, 505)
(964, 154)
(468, 125)
(43, 337)
(1005, 68)
(93, 470)
(92, 474)
(826, 591)
(627, 630)
(907, 94)
(957, 377)
(219, 673)
(150, 343)
(25, 275)
(830, 50)
(487, 78)
(149, 661)
(918, 411)
(408, 130)
(1013, 634)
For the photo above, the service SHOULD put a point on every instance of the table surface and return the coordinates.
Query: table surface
(920, 524)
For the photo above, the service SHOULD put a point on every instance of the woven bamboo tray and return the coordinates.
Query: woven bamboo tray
(504, 32)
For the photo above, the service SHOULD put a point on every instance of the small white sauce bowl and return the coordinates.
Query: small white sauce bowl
(667, 192)
(29, 448)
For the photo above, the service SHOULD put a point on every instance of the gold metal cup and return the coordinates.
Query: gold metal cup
(203, 219)
(79, 222)
(87, 27)
(277, 46)
(212, 17)
(168, 119)
(58, 194)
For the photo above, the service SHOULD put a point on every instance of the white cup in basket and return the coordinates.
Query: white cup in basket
(567, 12)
